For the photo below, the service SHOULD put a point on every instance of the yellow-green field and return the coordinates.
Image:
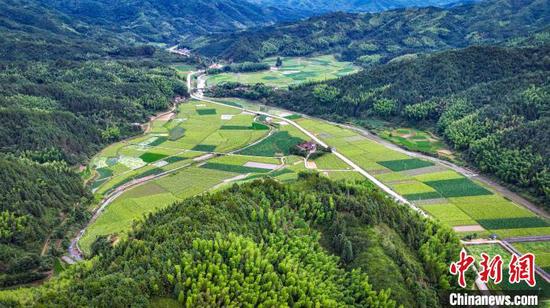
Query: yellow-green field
(293, 71)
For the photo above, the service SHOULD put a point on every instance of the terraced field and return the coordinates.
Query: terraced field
(293, 71)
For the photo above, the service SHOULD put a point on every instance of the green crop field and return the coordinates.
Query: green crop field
(133, 204)
(541, 251)
(330, 162)
(458, 188)
(438, 175)
(449, 213)
(279, 143)
(176, 133)
(203, 127)
(196, 126)
(513, 223)
(405, 164)
(293, 71)
(205, 111)
(412, 188)
(416, 140)
(150, 157)
(234, 168)
(441, 192)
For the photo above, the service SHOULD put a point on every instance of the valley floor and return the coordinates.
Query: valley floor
(209, 144)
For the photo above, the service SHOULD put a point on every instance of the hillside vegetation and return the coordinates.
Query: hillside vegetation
(67, 89)
(490, 103)
(40, 204)
(309, 243)
(378, 38)
(166, 21)
(324, 6)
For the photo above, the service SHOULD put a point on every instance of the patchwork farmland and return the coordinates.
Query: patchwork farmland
(293, 71)
(464, 203)
(214, 146)
(219, 145)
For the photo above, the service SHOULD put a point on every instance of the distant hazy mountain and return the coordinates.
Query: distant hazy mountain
(167, 20)
(323, 6)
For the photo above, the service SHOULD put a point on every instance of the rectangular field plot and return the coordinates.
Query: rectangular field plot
(423, 196)
(191, 181)
(392, 177)
(490, 207)
(405, 164)
(412, 187)
(204, 147)
(235, 127)
(150, 157)
(234, 168)
(206, 111)
(330, 162)
(155, 141)
(513, 223)
(458, 188)
(438, 176)
(507, 233)
(541, 251)
(280, 143)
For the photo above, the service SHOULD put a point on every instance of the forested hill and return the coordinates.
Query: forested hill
(490, 103)
(168, 20)
(324, 6)
(310, 243)
(67, 89)
(374, 38)
(40, 205)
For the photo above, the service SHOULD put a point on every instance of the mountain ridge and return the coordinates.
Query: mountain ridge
(377, 38)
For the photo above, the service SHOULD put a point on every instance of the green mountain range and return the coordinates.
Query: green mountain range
(324, 6)
(170, 20)
(375, 38)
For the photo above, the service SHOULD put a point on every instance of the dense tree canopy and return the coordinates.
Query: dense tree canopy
(39, 203)
(67, 89)
(377, 38)
(266, 243)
